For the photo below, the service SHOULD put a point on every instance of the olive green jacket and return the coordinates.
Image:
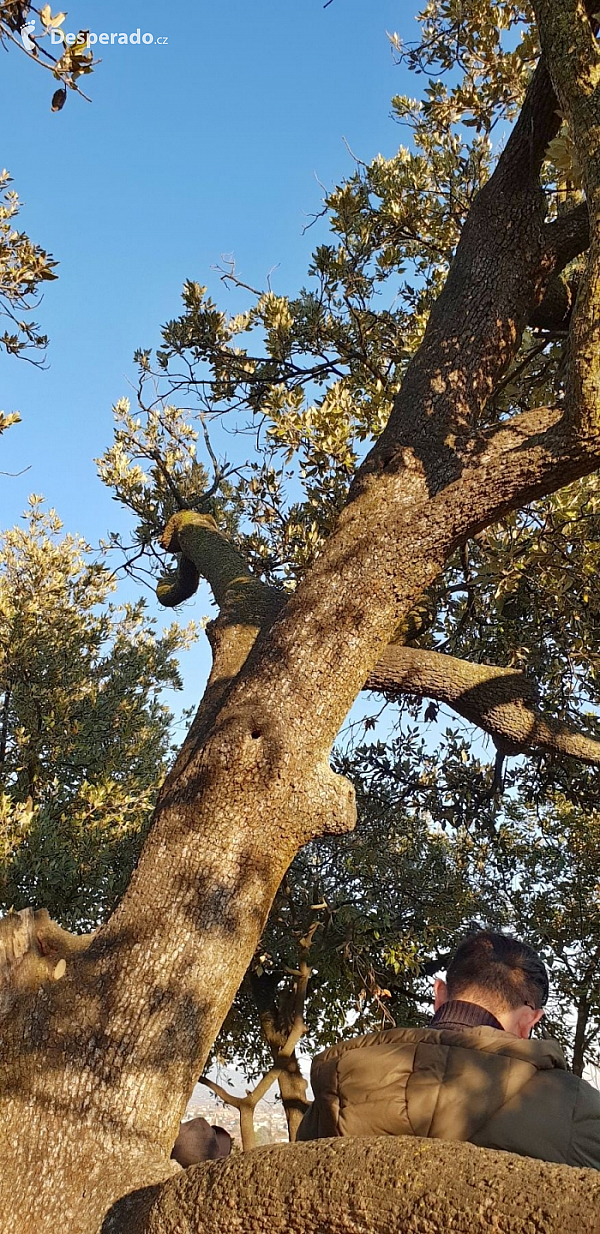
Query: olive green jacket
(476, 1084)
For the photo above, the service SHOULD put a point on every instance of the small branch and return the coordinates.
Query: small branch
(67, 80)
(298, 1026)
(222, 1093)
(15, 474)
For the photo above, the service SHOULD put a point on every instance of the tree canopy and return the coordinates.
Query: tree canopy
(428, 421)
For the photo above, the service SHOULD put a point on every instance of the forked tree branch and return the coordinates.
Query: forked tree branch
(502, 702)
(246, 1105)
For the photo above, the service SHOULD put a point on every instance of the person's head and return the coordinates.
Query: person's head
(501, 974)
(198, 1141)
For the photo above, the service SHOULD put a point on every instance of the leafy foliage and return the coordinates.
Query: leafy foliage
(545, 866)
(24, 267)
(18, 27)
(84, 735)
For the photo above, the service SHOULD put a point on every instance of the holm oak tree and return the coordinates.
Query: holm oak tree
(96, 1067)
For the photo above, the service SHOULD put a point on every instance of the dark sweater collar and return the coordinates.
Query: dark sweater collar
(456, 1014)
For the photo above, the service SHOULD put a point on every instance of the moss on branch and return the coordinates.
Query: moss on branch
(205, 552)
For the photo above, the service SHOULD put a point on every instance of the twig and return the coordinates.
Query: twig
(51, 68)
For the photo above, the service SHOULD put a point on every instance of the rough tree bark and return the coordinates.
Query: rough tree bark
(95, 1069)
(292, 1085)
(583, 1012)
(371, 1186)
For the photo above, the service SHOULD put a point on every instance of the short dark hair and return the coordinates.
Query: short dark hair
(502, 966)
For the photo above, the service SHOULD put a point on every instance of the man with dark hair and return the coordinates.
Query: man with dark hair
(474, 1074)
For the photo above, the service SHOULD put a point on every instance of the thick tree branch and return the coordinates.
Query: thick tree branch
(501, 701)
(384, 1185)
(205, 552)
(534, 453)
(471, 338)
(554, 312)
(573, 56)
(571, 51)
(204, 547)
(568, 236)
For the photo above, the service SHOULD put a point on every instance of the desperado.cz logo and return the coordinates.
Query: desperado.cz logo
(87, 38)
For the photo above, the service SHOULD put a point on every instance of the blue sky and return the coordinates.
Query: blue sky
(211, 145)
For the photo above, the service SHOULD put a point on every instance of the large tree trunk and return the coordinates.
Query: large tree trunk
(376, 1186)
(95, 1069)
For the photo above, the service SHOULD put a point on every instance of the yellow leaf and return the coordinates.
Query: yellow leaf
(46, 15)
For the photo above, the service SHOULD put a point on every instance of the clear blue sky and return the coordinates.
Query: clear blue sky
(210, 145)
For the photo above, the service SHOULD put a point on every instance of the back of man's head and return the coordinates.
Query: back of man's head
(507, 972)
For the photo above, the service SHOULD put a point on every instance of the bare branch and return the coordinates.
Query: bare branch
(222, 1093)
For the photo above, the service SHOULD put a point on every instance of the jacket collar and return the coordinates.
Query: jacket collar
(458, 1014)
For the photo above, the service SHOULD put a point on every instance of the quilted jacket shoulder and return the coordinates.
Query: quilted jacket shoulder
(479, 1084)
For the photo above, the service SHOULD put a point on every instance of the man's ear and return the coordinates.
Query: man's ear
(536, 1017)
(525, 1020)
(440, 993)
